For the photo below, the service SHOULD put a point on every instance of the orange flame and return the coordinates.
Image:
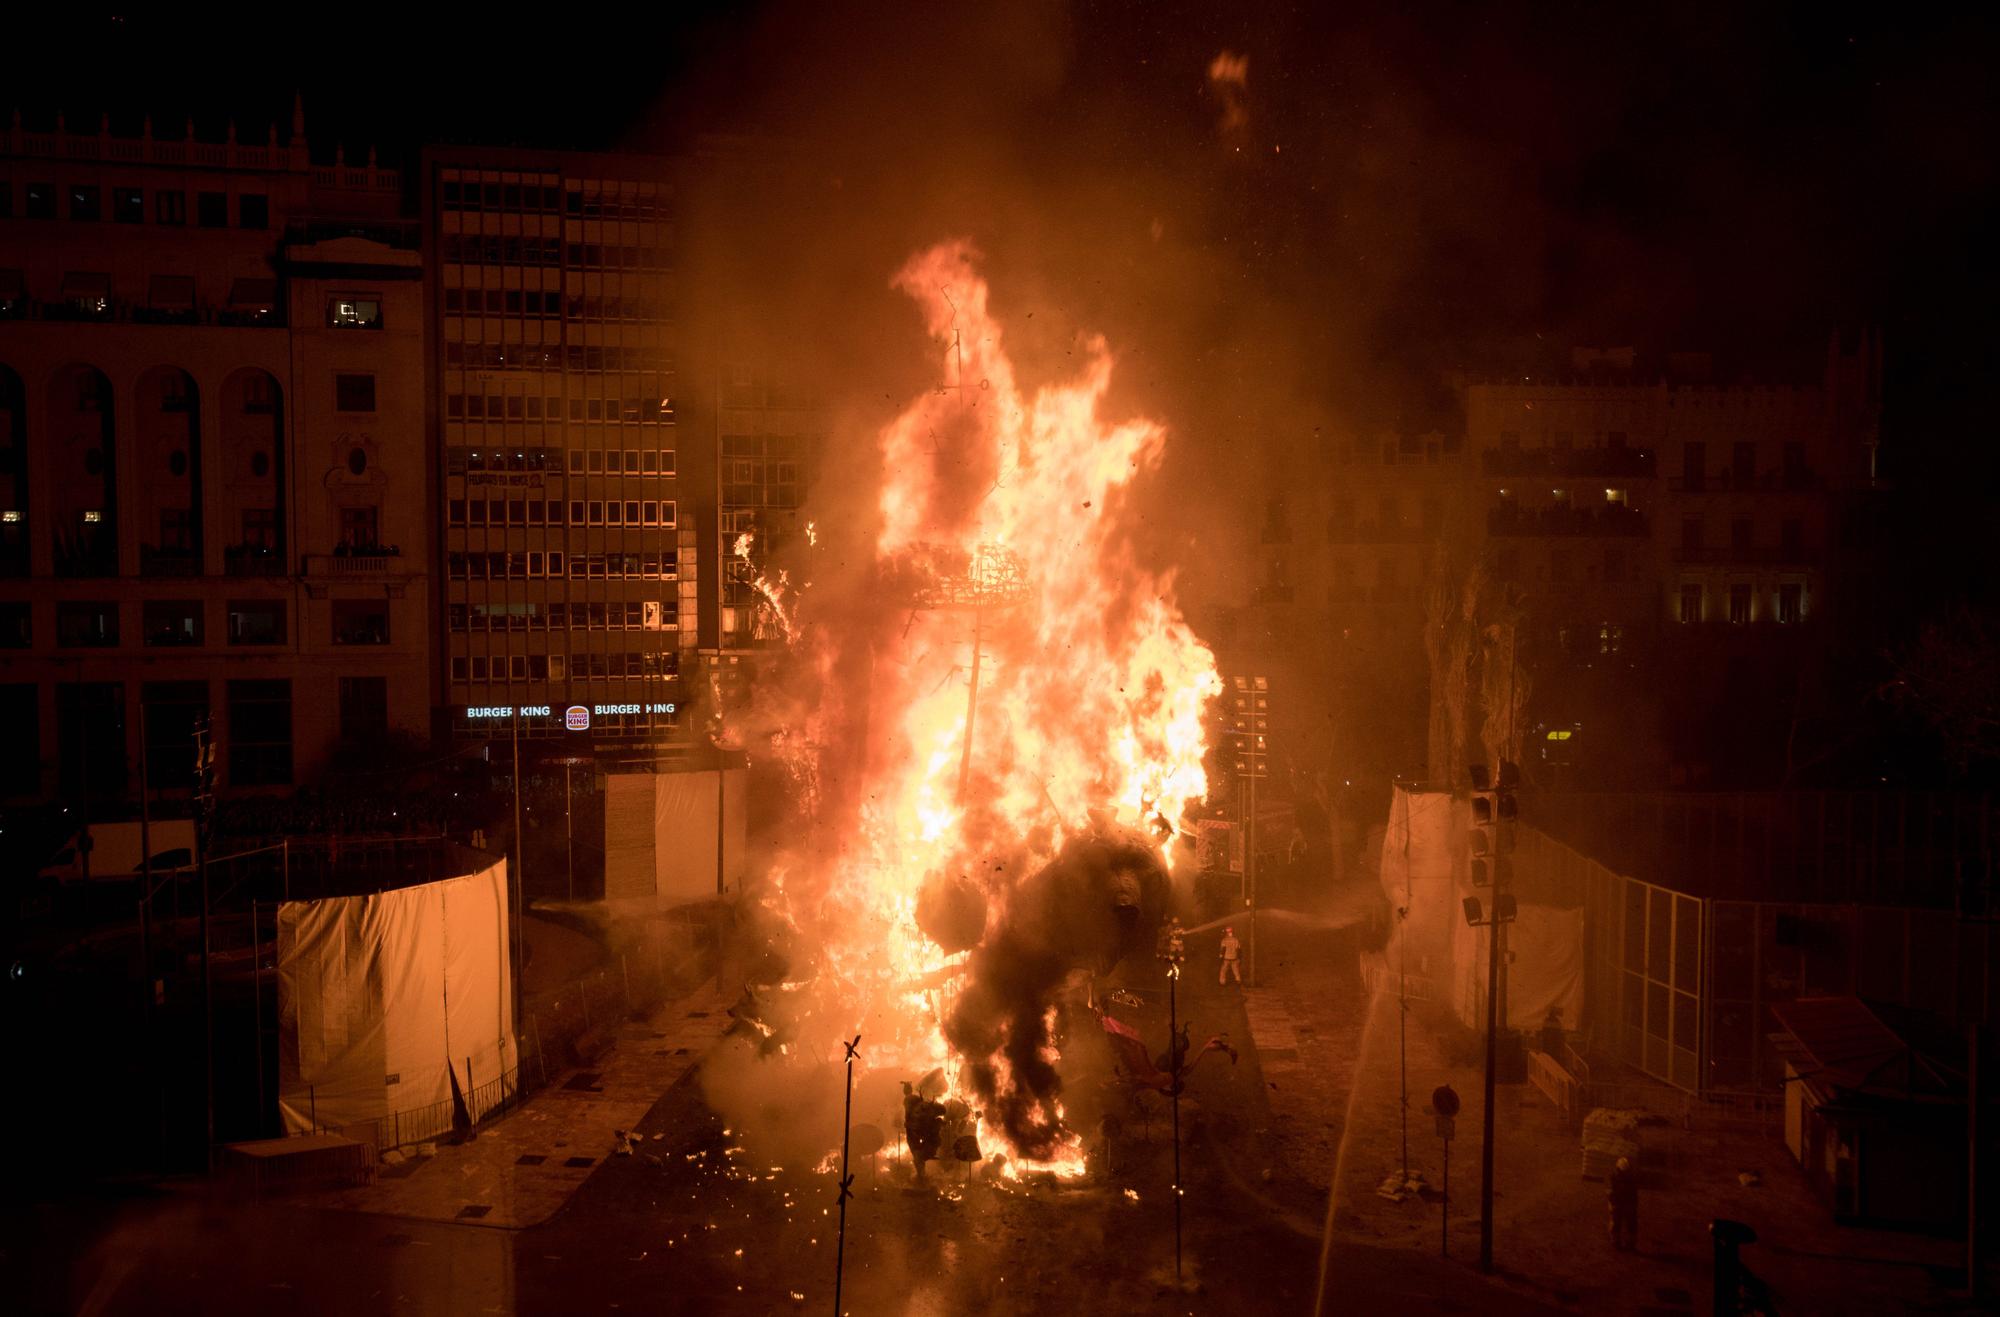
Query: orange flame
(1004, 556)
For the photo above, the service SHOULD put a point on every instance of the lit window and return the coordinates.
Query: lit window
(92, 516)
(10, 516)
(1739, 605)
(1622, 497)
(1791, 603)
(354, 313)
(1690, 604)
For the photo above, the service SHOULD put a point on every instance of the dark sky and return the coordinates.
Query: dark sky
(1413, 188)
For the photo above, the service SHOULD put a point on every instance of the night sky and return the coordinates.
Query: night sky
(1409, 191)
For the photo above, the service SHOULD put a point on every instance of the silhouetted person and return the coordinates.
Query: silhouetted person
(1624, 1200)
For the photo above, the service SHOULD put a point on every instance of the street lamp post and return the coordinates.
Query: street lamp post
(1503, 912)
(1173, 952)
(1249, 728)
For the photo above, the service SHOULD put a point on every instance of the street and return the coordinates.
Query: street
(687, 1224)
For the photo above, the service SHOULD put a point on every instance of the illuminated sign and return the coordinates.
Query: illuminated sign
(576, 717)
(1561, 734)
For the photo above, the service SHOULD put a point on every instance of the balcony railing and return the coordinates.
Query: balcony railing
(252, 560)
(1635, 463)
(1376, 532)
(355, 565)
(1610, 519)
(1800, 481)
(168, 562)
(1796, 555)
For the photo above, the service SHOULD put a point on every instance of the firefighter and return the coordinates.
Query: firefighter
(1232, 962)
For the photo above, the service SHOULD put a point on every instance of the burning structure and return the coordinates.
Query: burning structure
(992, 737)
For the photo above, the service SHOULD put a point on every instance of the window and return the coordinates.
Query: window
(1743, 466)
(1690, 604)
(20, 710)
(1739, 605)
(172, 709)
(354, 392)
(1618, 497)
(128, 205)
(85, 202)
(354, 313)
(1792, 538)
(211, 209)
(256, 621)
(360, 527)
(6, 200)
(1694, 465)
(260, 528)
(170, 207)
(1691, 535)
(86, 623)
(172, 622)
(1614, 566)
(1791, 601)
(360, 621)
(1559, 565)
(40, 199)
(90, 736)
(253, 211)
(16, 625)
(1742, 534)
(260, 733)
(364, 707)
(1795, 466)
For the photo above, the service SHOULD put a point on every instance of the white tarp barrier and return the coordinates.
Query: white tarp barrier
(660, 835)
(1544, 968)
(384, 1000)
(630, 857)
(1416, 874)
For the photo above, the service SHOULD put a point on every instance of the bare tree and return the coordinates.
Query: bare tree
(1949, 679)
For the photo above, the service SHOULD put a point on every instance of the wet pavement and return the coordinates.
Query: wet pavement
(687, 1225)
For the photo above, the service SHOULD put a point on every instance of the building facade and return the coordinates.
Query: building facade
(211, 460)
(567, 560)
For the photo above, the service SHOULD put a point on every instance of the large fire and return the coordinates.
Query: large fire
(1018, 680)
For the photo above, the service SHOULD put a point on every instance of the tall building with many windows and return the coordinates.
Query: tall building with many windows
(568, 561)
(213, 487)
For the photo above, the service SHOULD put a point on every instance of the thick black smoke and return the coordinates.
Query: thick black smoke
(1098, 901)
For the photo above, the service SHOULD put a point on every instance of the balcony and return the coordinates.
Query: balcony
(1761, 556)
(1377, 532)
(1609, 463)
(369, 565)
(168, 562)
(252, 560)
(1510, 520)
(1801, 480)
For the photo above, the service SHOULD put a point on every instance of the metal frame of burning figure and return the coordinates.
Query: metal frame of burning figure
(994, 733)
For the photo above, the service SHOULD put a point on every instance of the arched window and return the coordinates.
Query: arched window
(13, 474)
(168, 450)
(83, 473)
(253, 474)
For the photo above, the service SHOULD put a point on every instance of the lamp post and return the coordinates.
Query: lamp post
(1173, 952)
(1249, 727)
(1503, 912)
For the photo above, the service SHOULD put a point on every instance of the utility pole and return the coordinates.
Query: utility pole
(569, 835)
(520, 861)
(204, 798)
(1249, 729)
(1174, 951)
(1491, 835)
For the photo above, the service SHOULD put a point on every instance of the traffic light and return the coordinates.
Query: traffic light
(1249, 726)
(1494, 811)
